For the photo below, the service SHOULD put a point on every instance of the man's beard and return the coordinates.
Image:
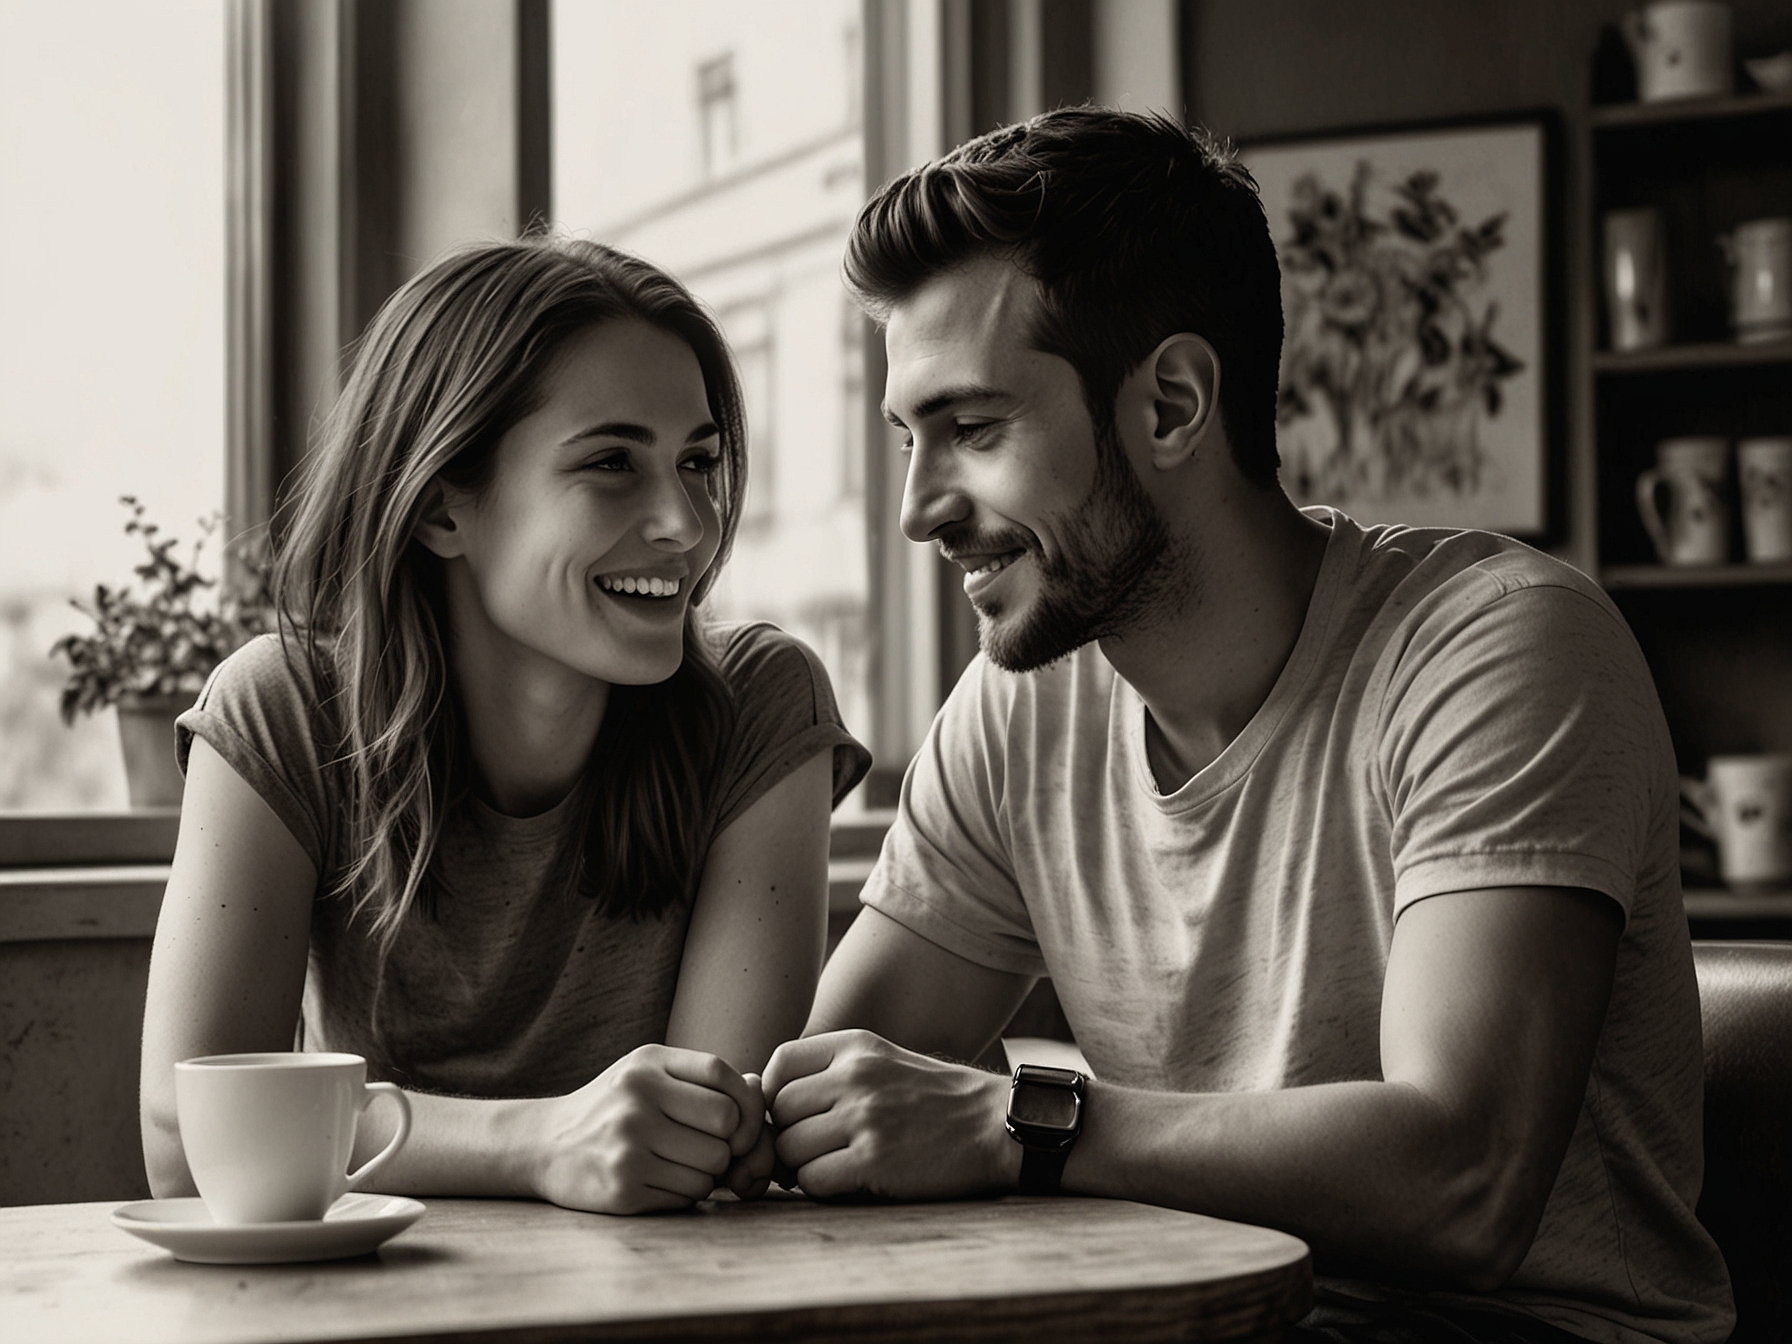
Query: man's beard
(1115, 567)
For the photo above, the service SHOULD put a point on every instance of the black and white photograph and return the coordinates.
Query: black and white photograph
(881, 670)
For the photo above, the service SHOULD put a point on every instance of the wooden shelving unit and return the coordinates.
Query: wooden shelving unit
(1722, 903)
(1694, 576)
(1718, 637)
(1683, 111)
(1678, 358)
(1716, 912)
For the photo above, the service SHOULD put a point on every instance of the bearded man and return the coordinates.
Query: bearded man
(1350, 851)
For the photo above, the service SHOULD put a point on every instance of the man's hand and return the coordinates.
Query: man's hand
(658, 1129)
(855, 1113)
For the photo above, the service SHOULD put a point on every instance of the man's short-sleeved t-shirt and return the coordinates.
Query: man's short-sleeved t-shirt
(1458, 712)
(513, 986)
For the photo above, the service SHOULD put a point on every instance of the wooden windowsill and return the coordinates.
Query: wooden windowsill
(51, 904)
(101, 875)
(87, 839)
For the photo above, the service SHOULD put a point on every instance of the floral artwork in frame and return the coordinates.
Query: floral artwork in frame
(1417, 383)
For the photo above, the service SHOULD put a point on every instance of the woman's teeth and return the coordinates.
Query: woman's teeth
(639, 587)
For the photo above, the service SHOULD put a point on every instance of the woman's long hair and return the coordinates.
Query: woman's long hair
(452, 361)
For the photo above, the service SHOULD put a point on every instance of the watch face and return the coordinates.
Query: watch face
(1044, 1105)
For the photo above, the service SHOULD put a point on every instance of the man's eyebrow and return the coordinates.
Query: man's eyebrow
(945, 399)
(641, 434)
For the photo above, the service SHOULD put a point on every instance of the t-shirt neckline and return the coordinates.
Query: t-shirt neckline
(1232, 764)
(549, 823)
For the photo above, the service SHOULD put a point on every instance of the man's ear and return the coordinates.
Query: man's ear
(436, 527)
(1181, 378)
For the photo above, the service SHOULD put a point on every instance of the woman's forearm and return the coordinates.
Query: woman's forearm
(458, 1146)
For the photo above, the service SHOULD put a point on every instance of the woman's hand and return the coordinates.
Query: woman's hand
(751, 1171)
(658, 1129)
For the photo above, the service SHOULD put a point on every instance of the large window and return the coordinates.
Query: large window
(723, 141)
(111, 337)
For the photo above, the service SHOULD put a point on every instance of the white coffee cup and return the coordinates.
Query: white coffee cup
(1764, 467)
(1681, 49)
(1760, 255)
(1696, 528)
(1744, 803)
(268, 1137)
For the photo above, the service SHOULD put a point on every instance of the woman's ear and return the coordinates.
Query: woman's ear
(1182, 378)
(436, 527)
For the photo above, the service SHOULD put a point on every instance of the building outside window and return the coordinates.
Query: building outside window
(111, 338)
(758, 235)
(716, 111)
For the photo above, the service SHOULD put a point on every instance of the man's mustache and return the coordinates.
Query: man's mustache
(972, 541)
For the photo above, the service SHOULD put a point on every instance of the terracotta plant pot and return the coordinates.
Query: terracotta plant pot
(146, 732)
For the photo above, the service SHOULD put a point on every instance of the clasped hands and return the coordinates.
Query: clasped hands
(841, 1113)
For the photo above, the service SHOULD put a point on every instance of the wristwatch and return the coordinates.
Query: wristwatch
(1045, 1115)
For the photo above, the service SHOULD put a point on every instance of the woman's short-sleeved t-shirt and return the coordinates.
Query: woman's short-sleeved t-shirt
(513, 986)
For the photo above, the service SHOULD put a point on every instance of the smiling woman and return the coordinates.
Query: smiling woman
(495, 808)
(605, 487)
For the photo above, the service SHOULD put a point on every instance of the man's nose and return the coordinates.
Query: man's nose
(932, 498)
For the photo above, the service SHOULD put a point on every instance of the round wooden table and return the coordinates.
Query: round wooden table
(780, 1268)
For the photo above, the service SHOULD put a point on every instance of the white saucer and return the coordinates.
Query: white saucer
(355, 1225)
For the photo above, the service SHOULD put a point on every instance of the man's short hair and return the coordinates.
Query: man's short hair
(1134, 227)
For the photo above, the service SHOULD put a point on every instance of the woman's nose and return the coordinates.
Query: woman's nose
(677, 510)
(931, 498)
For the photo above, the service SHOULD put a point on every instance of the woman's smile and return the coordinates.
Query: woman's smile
(647, 596)
(598, 524)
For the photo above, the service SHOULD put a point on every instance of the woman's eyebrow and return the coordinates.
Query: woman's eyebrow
(633, 433)
(616, 429)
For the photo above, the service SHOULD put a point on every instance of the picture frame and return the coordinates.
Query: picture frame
(1422, 379)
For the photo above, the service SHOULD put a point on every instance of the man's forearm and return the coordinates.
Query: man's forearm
(1372, 1171)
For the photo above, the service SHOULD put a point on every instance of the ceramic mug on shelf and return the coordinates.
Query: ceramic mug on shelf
(1764, 468)
(1681, 49)
(1760, 257)
(268, 1137)
(1636, 284)
(1744, 803)
(1695, 530)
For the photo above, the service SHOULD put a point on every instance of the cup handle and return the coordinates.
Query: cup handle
(373, 1092)
(1647, 487)
(1698, 800)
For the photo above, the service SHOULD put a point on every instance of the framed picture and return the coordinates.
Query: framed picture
(1421, 293)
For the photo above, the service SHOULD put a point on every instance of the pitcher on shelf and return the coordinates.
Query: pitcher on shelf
(1696, 528)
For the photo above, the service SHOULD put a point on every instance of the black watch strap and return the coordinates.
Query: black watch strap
(1041, 1170)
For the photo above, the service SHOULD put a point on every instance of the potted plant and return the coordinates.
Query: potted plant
(153, 645)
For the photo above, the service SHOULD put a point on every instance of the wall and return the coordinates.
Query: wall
(1261, 67)
(71, 1015)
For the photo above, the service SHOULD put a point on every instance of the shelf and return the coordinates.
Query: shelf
(1722, 903)
(1710, 355)
(1694, 576)
(1618, 116)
